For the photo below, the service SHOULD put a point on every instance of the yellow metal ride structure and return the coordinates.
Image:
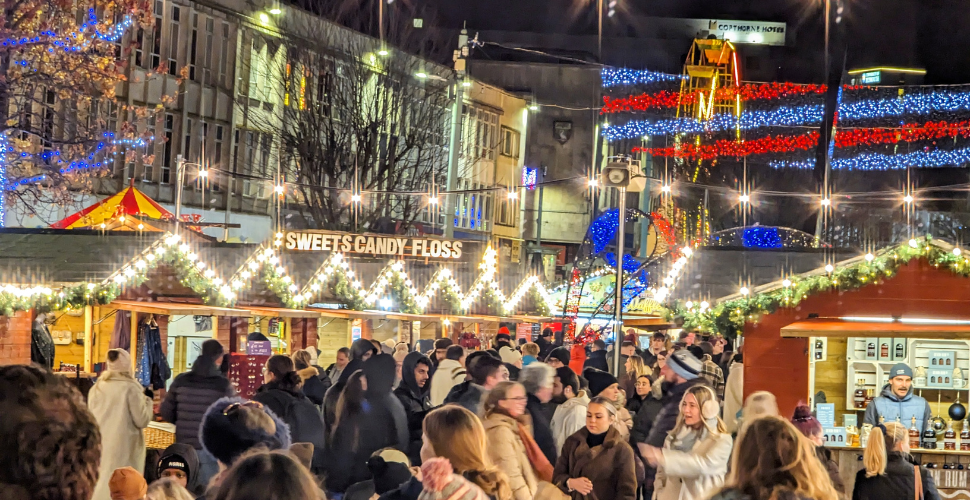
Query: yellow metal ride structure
(711, 77)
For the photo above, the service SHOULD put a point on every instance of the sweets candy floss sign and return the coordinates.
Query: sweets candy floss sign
(374, 245)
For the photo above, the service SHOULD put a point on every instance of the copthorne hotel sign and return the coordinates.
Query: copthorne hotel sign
(373, 245)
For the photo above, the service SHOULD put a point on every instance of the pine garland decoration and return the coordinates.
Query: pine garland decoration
(401, 293)
(728, 318)
(538, 302)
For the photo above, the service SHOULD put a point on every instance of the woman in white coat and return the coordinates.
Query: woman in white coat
(694, 460)
(122, 408)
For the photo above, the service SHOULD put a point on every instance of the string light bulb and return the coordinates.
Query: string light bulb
(826, 202)
(355, 198)
(956, 251)
(870, 257)
(908, 198)
(433, 200)
(665, 189)
(744, 290)
(744, 198)
(279, 189)
(829, 268)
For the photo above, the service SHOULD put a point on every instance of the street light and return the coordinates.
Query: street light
(908, 198)
(826, 202)
(180, 165)
(744, 198)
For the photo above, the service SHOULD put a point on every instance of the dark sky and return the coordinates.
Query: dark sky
(930, 33)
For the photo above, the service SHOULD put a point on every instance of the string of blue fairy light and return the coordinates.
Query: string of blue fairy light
(878, 161)
(940, 101)
(616, 77)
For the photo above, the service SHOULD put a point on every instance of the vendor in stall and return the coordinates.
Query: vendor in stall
(897, 403)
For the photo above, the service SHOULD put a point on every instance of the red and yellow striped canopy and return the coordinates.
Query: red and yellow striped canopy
(128, 202)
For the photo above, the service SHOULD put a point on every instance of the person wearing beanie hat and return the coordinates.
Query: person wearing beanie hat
(119, 403)
(897, 403)
(559, 357)
(180, 462)
(233, 426)
(440, 350)
(510, 356)
(188, 397)
(126, 483)
(604, 385)
(680, 373)
(440, 482)
(390, 470)
(811, 428)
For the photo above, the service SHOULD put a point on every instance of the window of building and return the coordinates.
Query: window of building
(156, 55)
(217, 147)
(173, 42)
(166, 169)
(508, 209)
(193, 46)
(224, 56)
(510, 143)
(187, 143)
(207, 54)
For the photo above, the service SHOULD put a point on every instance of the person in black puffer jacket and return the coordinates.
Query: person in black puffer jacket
(414, 394)
(888, 471)
(190, 395)
(282, 394)
(382, 424)
(360, 350)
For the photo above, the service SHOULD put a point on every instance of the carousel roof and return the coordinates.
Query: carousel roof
(109, 211)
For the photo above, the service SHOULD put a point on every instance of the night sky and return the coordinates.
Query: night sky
(930, 34)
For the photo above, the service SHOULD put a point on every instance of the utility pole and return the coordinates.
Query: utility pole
(180, 179)
(454, 142)
(618, 306)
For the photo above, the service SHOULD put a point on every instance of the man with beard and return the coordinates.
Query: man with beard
(414, 393)
(570, 414)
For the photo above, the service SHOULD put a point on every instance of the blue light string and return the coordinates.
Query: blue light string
(811, 114)
(86, 164)
(761, 237)
(68, 42)
(3, 179)
(877, 161)
(615, 77)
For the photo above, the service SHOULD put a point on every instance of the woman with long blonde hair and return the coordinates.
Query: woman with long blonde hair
(774, 461)
(695, 455)
(888, 473)
(635, 368)
(455, 433)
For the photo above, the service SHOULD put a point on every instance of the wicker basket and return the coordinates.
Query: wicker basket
(159, 436)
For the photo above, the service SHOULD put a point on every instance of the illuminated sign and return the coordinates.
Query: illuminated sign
(754, 32)
(871, 77)
(375, 245)
(529, 177)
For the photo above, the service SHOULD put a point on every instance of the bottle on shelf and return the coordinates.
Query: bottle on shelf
(950, 437)
(871, 350)
(860, 395)
(914, 435)
(965, 437)
(884, 350)
(929, 439)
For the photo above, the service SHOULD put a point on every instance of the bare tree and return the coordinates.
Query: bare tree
(356, 118)
(60, 64)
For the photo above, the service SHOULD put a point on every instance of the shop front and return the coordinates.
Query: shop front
(830, 337)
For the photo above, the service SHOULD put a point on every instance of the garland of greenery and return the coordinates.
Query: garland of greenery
(189, 275)
(343, 289)
(279, 285)
(449, 298)
(728, 318)
(72, 297)
(401, 293)
(493, 303)
(538, 301)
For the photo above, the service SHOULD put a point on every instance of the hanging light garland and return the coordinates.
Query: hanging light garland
(877, 161)
(614, 77)
(747, 92)
(729, 317)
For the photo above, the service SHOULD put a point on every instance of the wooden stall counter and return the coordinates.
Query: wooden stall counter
(950, 469)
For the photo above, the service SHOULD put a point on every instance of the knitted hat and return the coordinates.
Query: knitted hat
(560, 353)
(685, 364)
(440, 483)
(805, 421)
(598, 380)
(387, 474)
(122, 363)
(173, 461)
(127, 484)
(509, 355)
(390, 343)
(227, 438)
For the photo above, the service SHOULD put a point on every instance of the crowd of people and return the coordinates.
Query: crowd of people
(517, 421)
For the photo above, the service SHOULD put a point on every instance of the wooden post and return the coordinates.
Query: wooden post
(133, 349)
(88, 339)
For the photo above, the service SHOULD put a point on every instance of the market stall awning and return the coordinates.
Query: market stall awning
(648, 323)
(175, 308)
(130, 201)
(841, 328)
(280, 312)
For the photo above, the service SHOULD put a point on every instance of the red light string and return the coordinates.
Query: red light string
(846, 138)
(748, 92)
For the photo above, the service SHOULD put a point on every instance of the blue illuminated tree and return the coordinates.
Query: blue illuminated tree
(60, 63)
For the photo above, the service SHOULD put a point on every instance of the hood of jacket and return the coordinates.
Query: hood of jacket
(407, 375)
(580, 400)
(380, 372)
(449, 364)
(352, 366)
(276, 386)
(657, 389)
(308, 372)
(887, 392)
(191, 459)
(360, 347)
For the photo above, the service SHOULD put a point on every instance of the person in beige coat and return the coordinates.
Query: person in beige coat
(122, 409)
(504, 413)
(694, 460)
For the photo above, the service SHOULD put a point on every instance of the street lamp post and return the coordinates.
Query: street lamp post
(618, 306)
(180, 165)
